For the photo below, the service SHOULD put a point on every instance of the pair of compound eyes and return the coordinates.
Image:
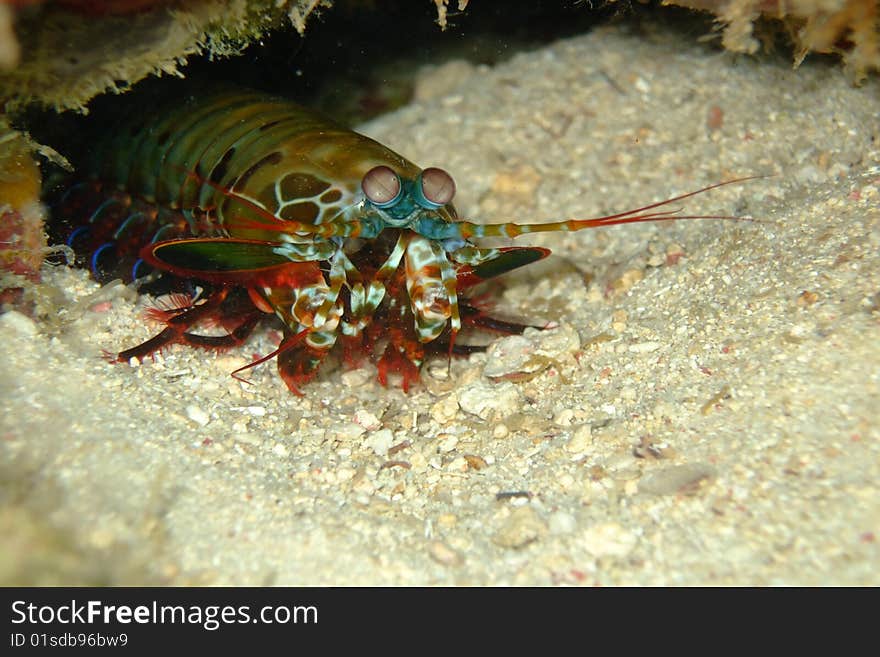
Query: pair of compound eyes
(383, 187)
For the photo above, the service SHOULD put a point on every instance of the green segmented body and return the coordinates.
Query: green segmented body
(292, 162)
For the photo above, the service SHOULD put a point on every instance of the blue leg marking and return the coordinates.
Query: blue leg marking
(75, 234)
(93, 263)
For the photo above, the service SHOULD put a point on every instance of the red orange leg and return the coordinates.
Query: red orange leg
(177, 326)
(403, 355)
(234, 338)
(299, 365)
(478, 318)
(234, 312)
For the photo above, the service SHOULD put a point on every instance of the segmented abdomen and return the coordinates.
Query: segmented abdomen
(292, 162)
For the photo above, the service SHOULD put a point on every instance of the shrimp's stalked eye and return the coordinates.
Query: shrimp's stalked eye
(437, 188)
(381, 186)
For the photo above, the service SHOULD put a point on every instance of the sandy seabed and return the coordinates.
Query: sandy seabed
(705, 411)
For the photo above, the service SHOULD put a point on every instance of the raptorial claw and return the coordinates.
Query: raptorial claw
(395, 361)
